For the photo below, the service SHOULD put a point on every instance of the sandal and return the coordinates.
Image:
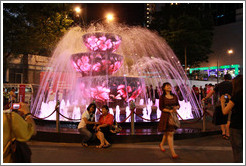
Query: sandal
(106, 146)
(161, 147)
(225, 137)
(175, 157)
(84, 144)
(99, 146)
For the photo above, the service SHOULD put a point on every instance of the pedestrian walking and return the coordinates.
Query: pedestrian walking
(168, 104)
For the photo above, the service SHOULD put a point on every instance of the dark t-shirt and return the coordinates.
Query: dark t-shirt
(224, 87)
(237, 111)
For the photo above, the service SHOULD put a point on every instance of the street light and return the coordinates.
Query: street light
(79, 16)
(77, 10)
(110, 17)
(230, 51)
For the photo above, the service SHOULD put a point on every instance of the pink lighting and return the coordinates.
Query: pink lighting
(111, 89)
(101, 42)
(100, 63)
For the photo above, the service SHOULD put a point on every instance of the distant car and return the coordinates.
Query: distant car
(30, 91)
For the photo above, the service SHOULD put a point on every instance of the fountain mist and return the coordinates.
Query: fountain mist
(78, 76)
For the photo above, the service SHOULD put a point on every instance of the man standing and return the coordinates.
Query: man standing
(220, 89)
(12, 95)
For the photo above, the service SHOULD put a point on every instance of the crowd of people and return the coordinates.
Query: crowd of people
(19, 122)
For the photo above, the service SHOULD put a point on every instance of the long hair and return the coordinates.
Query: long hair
(237, 85)
(92, 104)
(163, 86)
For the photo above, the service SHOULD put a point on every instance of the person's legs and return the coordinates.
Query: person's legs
(223, 129)
(228, 125)
(86, 134)
(164, 138)
(237, 144)
(228, 129)
(170, 143)
(101, 138)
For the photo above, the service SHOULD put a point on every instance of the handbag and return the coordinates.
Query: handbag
(174, 120)
(218, 117)
(116, 128)
(20, 151)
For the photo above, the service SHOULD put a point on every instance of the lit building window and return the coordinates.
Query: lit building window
(147, 25)
(148, 17)
(148, 21)
(147, 8)
(147, 12)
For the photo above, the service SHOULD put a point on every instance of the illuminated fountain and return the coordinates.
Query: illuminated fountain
(110, 64)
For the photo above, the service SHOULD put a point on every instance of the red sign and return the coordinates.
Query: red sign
(22, 93)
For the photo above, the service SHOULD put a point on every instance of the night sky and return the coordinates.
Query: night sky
(129, 13)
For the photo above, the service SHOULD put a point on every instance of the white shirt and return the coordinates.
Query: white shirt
(86, 115)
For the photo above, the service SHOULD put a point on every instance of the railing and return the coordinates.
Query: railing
(133, 113)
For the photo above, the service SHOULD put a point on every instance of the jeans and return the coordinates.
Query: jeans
(86, 134)
(236, 136)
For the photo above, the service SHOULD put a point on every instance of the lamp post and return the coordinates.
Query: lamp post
(218, 68)
(230, 52)
(78, 15)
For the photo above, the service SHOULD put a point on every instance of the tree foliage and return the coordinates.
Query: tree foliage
(186, 26)
(32, 28)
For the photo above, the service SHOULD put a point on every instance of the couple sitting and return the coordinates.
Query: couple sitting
(88, 128)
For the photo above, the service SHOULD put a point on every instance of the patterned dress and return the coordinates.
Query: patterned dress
(165, 103)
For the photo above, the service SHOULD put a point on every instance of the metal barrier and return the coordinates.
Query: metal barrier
(132, 108)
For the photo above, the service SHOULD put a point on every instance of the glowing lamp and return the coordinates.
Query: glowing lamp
(110, 17)
(77, 9)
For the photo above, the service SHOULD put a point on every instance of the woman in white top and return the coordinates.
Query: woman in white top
(86, 124)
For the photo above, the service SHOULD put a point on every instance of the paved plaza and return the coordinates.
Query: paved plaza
(207, 149)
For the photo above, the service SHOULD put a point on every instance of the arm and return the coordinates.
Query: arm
(109, 121)
(88, 122)
(23, 128)
(226, 109)
(177, 104)
(208, 95)
(167, 110)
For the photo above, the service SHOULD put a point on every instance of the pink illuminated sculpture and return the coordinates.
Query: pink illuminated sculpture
(98, 42)
(101, 61)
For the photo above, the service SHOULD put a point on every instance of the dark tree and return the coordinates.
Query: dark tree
(32, 28)
(188, 29)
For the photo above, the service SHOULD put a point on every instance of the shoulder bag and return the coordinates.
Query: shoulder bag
(174, 120)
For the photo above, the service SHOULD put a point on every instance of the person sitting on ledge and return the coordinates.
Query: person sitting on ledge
(86, 125)
(106, 120)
